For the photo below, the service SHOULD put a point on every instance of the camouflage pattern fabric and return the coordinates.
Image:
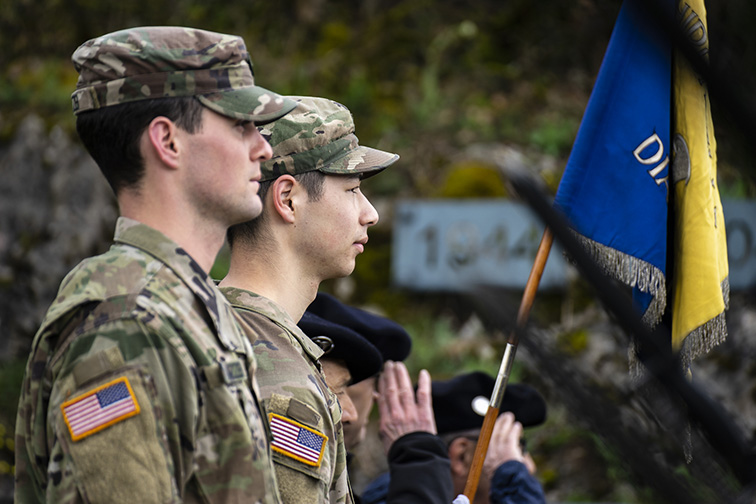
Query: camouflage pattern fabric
(319, 135)
(293, 389)
(142, 319)
(169, 61)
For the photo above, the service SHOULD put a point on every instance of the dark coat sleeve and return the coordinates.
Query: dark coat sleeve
(420, 470)
(513, 484)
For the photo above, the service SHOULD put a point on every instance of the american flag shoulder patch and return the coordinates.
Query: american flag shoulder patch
(296, 440)
(100, 408)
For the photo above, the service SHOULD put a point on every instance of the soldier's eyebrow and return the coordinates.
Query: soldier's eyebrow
(343, 384)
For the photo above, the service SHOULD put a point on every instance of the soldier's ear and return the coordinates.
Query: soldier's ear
(283, 191)
(160, 138)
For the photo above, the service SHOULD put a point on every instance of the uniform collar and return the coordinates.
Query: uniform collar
(155, 243)
(264, 306)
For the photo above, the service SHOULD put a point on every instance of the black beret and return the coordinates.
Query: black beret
(361, 358)
(453, 402)
(389, 337)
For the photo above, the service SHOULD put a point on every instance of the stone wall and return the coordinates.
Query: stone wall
(56, 208)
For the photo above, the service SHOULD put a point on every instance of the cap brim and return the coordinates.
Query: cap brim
(361, 358)
(363, 160)
(252, 103)
(525, 402)
(389, 337)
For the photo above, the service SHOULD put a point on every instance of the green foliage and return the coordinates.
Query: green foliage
(220, 266)
(415, 75)
(614, 461)
(734, 187)
(703, 492)
(11, 377)
(473, 180)
(554, 137)
(437, 347)
(573, 342)
(43, 85)
(372, 272)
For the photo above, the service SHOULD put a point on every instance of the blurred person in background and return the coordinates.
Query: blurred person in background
(407, 425)
(460, 404)
(390, 338)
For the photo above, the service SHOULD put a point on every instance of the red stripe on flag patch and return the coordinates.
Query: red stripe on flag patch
(297, 441)
(100, 408)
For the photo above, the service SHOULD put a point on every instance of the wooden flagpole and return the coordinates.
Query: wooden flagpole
(528, 297)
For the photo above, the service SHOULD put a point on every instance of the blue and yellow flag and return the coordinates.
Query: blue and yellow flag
(616, 187)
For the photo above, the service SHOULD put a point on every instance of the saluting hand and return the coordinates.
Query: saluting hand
(401, 411)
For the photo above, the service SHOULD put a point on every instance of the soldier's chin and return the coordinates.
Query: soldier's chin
(339, 270)
(348, 270)
(251, 211)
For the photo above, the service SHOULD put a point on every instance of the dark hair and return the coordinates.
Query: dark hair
(112, 134)
(249, 231)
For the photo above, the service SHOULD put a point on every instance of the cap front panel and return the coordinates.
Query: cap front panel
(159, 62)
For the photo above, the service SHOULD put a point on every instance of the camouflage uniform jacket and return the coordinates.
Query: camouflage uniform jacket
(305, 416)
(139, 387)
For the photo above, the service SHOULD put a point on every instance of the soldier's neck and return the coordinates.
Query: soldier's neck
(270, 275)
(200, 238)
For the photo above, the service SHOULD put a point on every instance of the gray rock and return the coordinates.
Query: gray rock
(56, 208)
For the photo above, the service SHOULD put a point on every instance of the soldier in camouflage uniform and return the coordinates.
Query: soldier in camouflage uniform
(140, 385)
(416, 456)
(313, 225)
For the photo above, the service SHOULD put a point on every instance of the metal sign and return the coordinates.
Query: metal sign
(450, 245)
(454, 244)
(740, 223)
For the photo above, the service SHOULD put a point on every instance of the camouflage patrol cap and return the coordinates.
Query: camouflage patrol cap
(171, 61)
(319, 135)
